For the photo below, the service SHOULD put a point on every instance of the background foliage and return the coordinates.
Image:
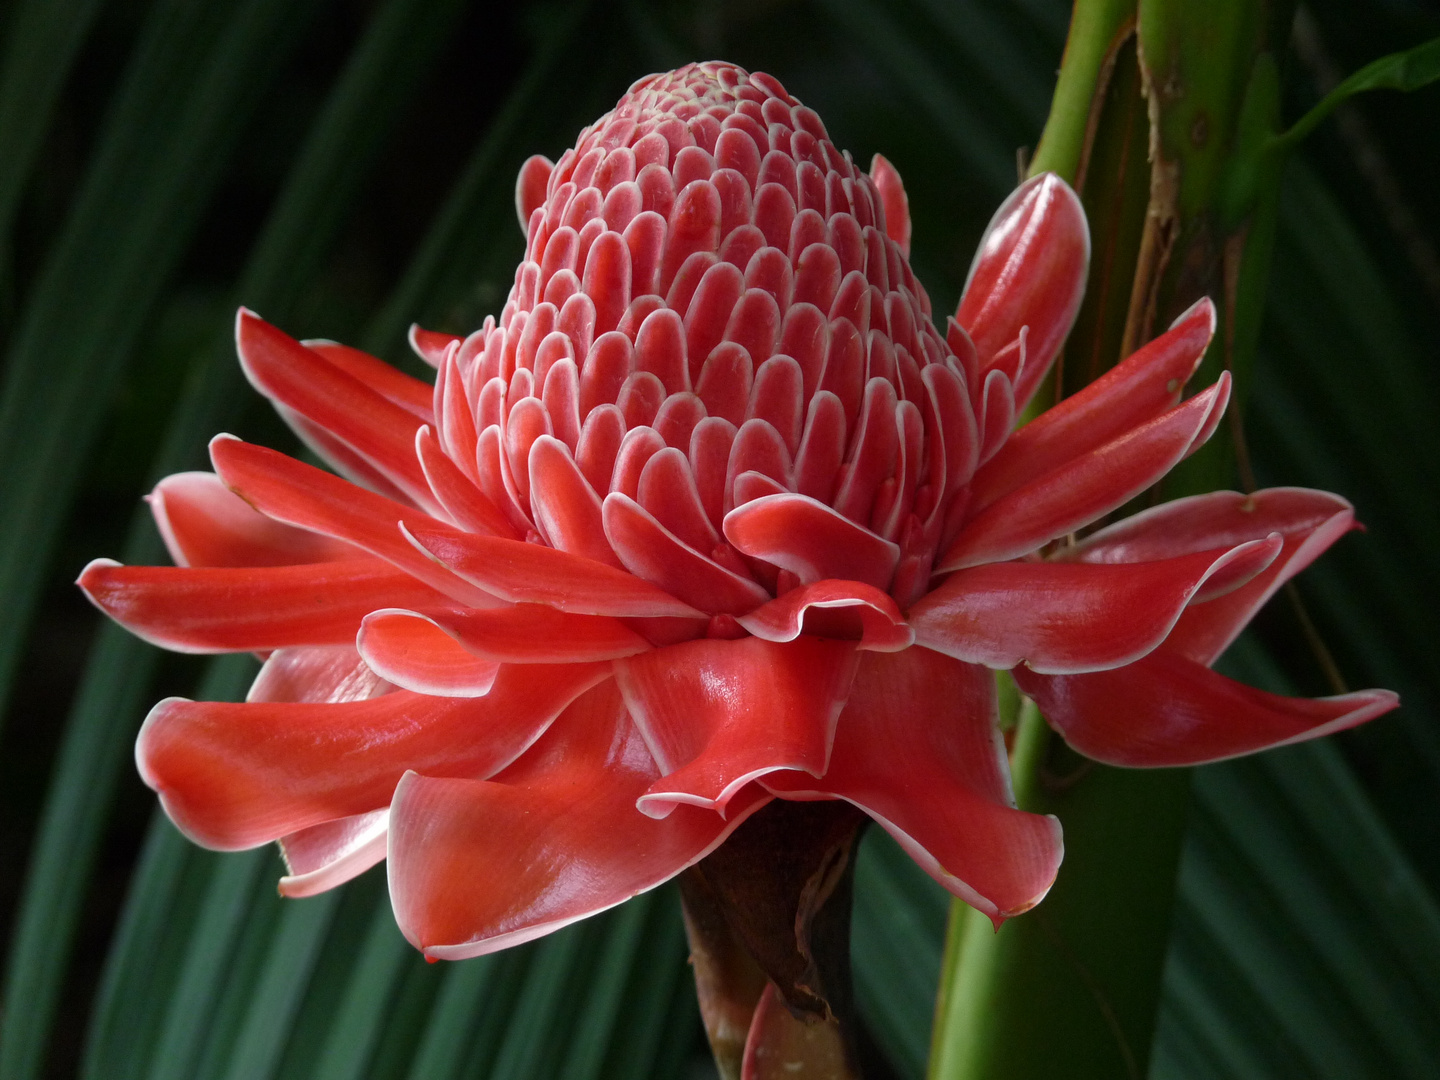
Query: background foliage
(346, 167)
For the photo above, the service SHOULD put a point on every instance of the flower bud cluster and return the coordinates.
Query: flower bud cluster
(712, 310)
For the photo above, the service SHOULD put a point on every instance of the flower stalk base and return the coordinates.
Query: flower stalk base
(768, 918)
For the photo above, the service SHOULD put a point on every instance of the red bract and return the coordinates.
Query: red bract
(711, 514)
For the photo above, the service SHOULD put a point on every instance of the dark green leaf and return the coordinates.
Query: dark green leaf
(42, 41)
(1405, 71)
(301, 229)
(194, 79)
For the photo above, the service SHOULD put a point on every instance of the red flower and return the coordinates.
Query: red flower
(712, 514)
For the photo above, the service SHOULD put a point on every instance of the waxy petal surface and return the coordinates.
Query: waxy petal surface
(316, 673)
(1165, 710)
(554, 838)
(535, 634)
(565, 505)
(919, 750)
(686, 490)
(204, 523)
(847, 610)
(1086, 488)
(341, 457)
(812, 541)
(411, 394)
(322, 856)
(1308, 521)
(251, 609)
(234, 776)
(414, 653)
(1072, 617)
(430, 345)
(375, 427)
(717, 714)
(1138, 389)
(531, 573)
(654, 553)
(298, 494)
(894, 200)
(1028, 271)
(456, 493)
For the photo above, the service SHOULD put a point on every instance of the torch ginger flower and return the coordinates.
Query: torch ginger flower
(713, 514)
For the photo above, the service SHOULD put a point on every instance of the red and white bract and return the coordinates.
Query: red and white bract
(711, 513)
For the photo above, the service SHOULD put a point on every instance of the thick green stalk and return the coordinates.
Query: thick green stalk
(1211, 77)
(1069, 989)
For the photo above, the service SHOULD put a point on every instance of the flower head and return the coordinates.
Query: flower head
(712, 514)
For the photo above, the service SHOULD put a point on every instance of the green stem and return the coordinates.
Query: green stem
(1069, 989)
(973, 957)
(1095, 27)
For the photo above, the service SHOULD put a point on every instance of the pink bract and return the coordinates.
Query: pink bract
(711, 514)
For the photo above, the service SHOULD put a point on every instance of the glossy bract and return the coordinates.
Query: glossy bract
(712, 513)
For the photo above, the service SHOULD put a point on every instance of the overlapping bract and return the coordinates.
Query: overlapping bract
(711, 514)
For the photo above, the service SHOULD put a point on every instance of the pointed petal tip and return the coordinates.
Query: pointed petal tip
(659, 802)
(1056, 185)
(247, 324)
(1377, 702)
(1000, 918)
(431, 346)
(1068, 211)
(144, 740)
(1363, 706)
(1222, 388)
(1085, 488)
(1029, 269)
(175, 809)
(1056, 852)
(530, 187)
(1167, 710)
(293, 887)
(894, 200)
(1219, 391)
(1204, 305)
(87, 576)
(223, 441)
(1238, 567)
